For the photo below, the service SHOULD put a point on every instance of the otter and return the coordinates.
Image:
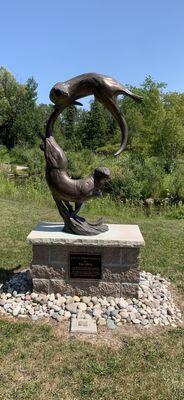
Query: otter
(104, 88)
(62, 186)
(64, 189)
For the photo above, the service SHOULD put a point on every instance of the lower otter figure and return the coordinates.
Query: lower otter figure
(62, 186)
(105, 90)
(64, 189)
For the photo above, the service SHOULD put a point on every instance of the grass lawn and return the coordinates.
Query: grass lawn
(36, 362)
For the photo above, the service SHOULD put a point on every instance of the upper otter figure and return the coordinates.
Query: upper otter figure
(104, 88)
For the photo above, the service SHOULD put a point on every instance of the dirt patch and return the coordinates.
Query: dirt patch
(112, 338)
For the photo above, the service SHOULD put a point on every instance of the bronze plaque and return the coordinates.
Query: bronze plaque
(85, 266)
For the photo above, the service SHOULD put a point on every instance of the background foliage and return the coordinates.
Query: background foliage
(151, 166)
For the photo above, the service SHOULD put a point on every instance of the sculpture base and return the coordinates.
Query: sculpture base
(79, 226)
(103, 265)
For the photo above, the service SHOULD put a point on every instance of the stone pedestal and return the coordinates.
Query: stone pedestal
(103, 265)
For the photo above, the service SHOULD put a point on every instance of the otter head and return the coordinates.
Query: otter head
(59, 95)
(101, 176)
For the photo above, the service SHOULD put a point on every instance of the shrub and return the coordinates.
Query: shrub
(108, 149)
(32, 189)
(135, 179)
(175, 212)
(151, 173)
(81, 164)
(30, 157)
(176, 183)
(125, 186)
(4, 155)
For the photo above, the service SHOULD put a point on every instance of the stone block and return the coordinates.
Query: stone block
(40, 254)
(59, 254)
(119, 274)
(61, 286)
(112, 256)
(85, 287)
(107, 289)
(102, 288)
(48, 271)
(129, 256)
(41, 285)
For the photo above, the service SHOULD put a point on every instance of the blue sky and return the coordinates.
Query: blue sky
(127, 39)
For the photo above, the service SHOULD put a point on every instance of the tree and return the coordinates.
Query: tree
(96, 126)
(145, 119)
(69, 118)
(17, 110)
(9, 93)
(81, 128)
(169, 142)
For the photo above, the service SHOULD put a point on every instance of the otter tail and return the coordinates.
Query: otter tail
(113, 107)
(128, 92)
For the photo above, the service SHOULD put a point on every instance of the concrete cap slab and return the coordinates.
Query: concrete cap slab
(118, 235)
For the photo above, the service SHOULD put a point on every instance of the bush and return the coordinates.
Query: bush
(32, 189)
(108, 149)
(81, 164)
(30, 157)
(136, 179)
(125, 186)
(151, 173)
(4, 155)
(175, 212)
(175, 182)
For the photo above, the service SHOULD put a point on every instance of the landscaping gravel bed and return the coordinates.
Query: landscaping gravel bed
(154, 305)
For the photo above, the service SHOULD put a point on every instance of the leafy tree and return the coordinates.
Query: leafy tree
(144, 118)
(17, 110)
(170, 140)
(96, 126)
(81, 128)
(69, 123)
(9, 93)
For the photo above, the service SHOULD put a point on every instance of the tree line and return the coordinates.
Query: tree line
(156, 126)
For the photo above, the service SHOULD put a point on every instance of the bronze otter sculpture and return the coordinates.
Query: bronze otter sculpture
(64, 189)
(105, 90)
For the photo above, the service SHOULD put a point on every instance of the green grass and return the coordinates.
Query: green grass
(36, 365)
